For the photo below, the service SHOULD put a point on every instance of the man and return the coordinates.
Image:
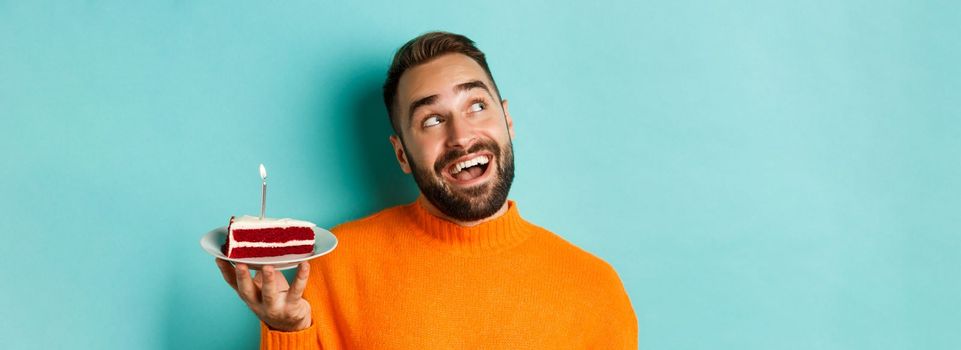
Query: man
(458, 268)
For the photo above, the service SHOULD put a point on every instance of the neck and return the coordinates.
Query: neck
(436, 212)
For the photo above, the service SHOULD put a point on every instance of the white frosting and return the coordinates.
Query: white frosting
(236, 244)
(248, 222)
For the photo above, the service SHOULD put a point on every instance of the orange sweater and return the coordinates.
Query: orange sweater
(405, 279)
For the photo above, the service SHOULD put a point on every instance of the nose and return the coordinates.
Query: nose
(460, 133)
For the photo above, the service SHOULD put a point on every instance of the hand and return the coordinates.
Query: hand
(281, 306)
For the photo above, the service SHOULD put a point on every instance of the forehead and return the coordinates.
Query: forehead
(438, 77)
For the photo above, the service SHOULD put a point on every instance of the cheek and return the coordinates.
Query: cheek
(496, 125)
(498, 132)
(424, 157)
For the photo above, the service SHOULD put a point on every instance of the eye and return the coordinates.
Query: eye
(431, 121)
(478, 106)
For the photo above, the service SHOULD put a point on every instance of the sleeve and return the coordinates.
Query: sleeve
(620, 330)
(302, 339)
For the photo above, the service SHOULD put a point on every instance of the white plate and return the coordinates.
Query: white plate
(324, 242)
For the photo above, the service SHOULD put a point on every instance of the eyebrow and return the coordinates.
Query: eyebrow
(429, 100)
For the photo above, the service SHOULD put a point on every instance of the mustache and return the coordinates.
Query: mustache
(452, 155)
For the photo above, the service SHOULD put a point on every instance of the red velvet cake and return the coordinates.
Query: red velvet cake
(252, 237)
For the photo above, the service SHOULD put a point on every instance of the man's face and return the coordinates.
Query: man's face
(456, 137)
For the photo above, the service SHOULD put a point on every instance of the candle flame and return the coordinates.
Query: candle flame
(263, 172)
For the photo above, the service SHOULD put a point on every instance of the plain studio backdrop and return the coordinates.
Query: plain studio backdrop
(762, 175)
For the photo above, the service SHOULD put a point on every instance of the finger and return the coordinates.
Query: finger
(245, 287)
(269, 291)
(300, 283)
(281, 282)
(259, 280)
(228, 272)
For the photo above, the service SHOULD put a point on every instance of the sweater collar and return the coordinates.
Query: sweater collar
(491, 236)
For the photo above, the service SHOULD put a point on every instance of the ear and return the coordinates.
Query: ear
(507, 116)
(399, 153)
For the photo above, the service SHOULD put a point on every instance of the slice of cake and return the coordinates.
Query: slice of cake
(252, 237)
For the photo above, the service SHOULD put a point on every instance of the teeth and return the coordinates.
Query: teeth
(469, 163)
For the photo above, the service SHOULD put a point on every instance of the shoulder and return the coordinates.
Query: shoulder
(370, 231)
(595, 283)
(362, 238)
(583, 270)
(372, 223)
(574, 256)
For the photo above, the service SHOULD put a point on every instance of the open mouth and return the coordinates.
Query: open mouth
(469, 169)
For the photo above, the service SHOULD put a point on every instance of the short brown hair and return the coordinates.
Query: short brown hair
(423, 49)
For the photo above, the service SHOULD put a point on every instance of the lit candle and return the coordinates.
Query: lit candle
(263, 192)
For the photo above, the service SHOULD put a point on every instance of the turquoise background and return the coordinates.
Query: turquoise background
(763, 175)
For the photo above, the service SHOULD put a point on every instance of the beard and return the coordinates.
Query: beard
(471, 203)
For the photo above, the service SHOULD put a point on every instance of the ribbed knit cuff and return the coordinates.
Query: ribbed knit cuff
(302, 339)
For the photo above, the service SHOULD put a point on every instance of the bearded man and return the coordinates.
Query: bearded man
(458, 268)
